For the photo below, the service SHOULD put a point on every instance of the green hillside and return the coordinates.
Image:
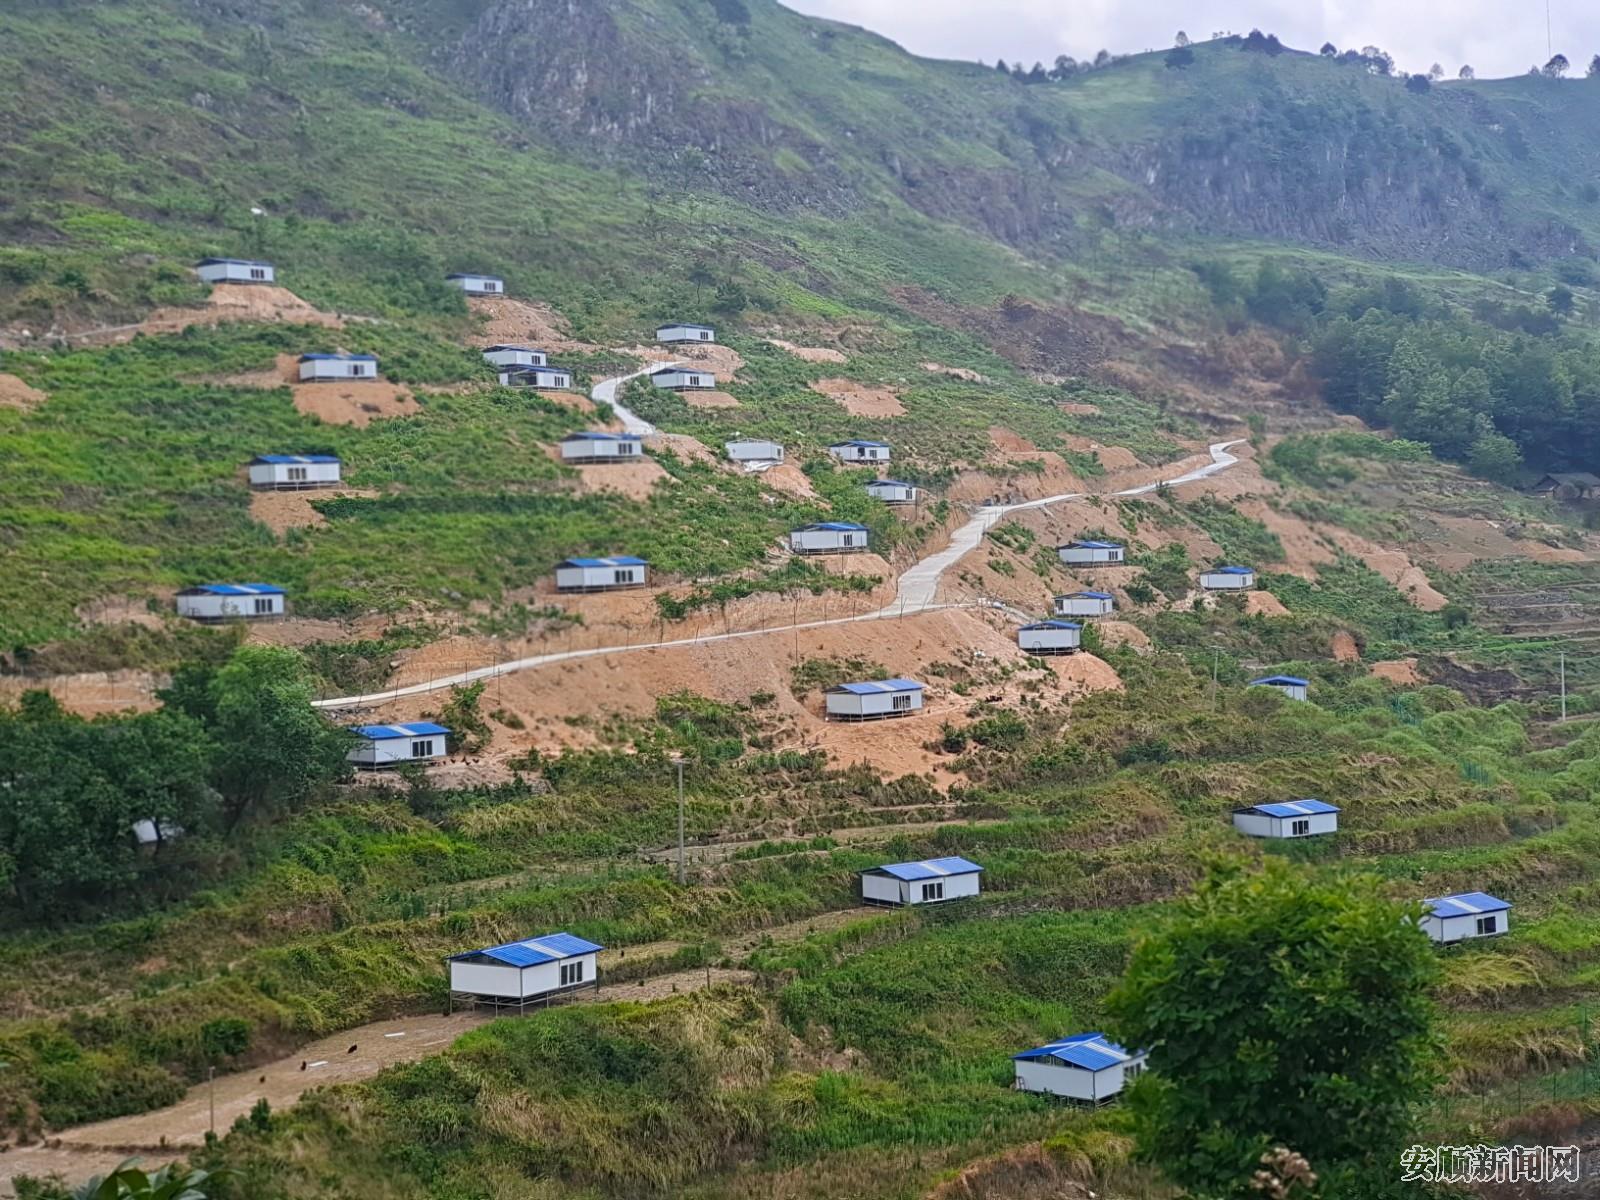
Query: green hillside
(1067, 284)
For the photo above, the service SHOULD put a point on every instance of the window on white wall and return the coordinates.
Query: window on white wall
(571, 973)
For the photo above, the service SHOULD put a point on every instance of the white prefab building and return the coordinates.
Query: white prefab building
(601, 574)
(860, 450)
(1092, 554)
(829, 537)
(930, 882)
(1287, 819)
(1050, 637)
(477, 285)
(1228, 579)
(681, 332)
(519, 974)
(683, 379)
(873, 699)
(391, 745)
(320, 368)
(515, 356)
(1291, 686)
(1085, 604)
(1087, 1067)
(234, 270)
(602, 447)
(294, 472)
(753, 450)
(231, 602)
(554, 379)
(892, 491)
(1465, 916)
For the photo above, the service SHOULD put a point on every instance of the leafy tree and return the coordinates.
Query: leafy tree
(1556, 67)
(1179, 57)
(1037, 75)
(273, 749)
(1102, 58)
(1466, 72)
(1417, 83)
(1329, 50)
(1494, 456)
(1065, 65)
(129, 1182)
(1000, 65)
(1560, 299)
(1435, 73)
(1594, 67)
(1181, 40)
(461, 715)
(1281, 1008)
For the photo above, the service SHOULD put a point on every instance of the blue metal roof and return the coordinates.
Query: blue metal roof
(836, 526)
(1291, 808)
(1093, 546)
(295, 458)
(1052, 624)
(1091, 1051)
(592, 436)
(890, 483)
(237, 589)
(684, 325)
(932, 868)
(473, 275)
(1089, 596)
(339, 358)
(232, 262)
(1231, 571)
(681, 371)
(509, 346)
(380, 733)
(621, 560)
(862, 442)
(1280, 681)
(874, 686)
(1464, 904)
(552, 947)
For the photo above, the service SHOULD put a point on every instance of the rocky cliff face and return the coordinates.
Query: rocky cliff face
(679, 91)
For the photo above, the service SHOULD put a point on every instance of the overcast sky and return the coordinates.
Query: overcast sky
(1497, 37)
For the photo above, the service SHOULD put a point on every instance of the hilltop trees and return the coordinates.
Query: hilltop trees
(1556, 67)
(1594, 67)
(1281, 1009)
(1466, 72)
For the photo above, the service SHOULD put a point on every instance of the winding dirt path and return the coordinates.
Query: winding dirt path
(917, 588)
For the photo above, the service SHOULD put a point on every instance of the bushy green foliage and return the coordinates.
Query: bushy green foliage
(1280, 1009)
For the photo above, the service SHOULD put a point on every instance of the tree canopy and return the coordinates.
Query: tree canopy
(1281, 1008)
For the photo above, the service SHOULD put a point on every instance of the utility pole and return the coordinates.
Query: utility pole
(680, 820)
(212, 1077)
(1563, 687)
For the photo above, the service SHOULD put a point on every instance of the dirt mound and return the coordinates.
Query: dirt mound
(1344, 648)
(1122, 633)
(283, 511)
(236, 302)
(295, 631)
(812, 354)
(1400, 670)
(710, 399)
(576, 401)
(16, 394)
(786, 477)
(966, 373)
(91, 693)
(686, 447)
(633, 480)
(357, 402)
(1264, 604)
(1084, 672)
(1455, 543)
(523, 322)
(860, 400)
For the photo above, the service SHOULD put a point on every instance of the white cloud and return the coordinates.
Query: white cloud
(1498, 37)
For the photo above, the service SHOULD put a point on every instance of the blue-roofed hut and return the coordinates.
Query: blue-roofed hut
(231, 602)
(1287, 819)
(294, 472)
(1228, 579)
(929, 882)
(1085, 604)
(1050, 637)
(325, 368)
(1464, 916)
(602, 574)
(519, 974)
(1291, 686)
(1087, 1067)
(1092, 554)
(390, 745)
(874, 699)
(829, 537)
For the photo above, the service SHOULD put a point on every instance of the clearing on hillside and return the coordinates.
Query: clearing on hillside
(860, 399)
